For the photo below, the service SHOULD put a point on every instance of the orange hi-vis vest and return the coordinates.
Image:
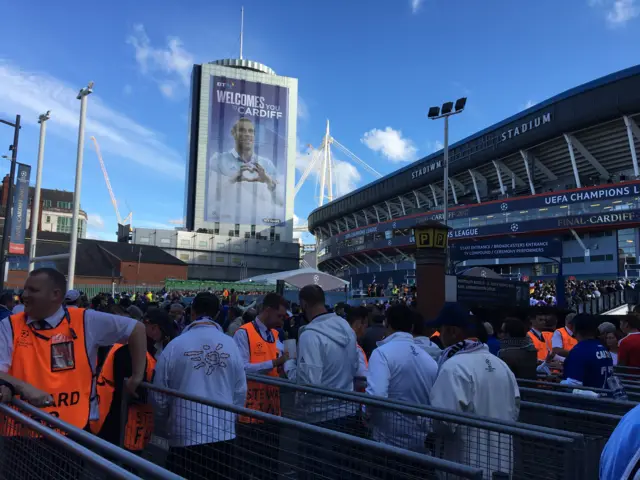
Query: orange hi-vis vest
(261, 397)
(139, 426)
(55, 361)
(364, 355)
(541, 346)
(568, 342)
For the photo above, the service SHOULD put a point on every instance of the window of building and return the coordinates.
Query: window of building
(64, 205)
(219, 259)
(47, 219)
(577, 259)
(144, 240)
(216, 229)
(236, 260)
(627, 245)
(202, 258)
(550, 268)
(165, 241)
(185, 242)
(64, 224)
(184, 257)
(600, 234)
(203, 243)
(46, 203)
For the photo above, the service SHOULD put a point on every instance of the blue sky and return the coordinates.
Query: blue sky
(372, 67)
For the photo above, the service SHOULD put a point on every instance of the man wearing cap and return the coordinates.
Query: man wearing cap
(472, 380)
(72, 299)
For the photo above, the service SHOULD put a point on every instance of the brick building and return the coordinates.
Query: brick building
(100, 262)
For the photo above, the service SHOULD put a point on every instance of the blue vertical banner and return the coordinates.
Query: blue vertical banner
(19, 214)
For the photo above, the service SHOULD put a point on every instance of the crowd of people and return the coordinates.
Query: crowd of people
(577, 292)
(205, 345)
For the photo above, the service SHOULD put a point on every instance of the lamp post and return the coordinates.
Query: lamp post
(35, 208)
(435, 113)
(82, 96)
(6, 230)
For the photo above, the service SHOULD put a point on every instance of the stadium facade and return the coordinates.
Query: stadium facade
(555, 186)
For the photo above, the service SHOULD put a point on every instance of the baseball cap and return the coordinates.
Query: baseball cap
(135, 312)
(72, 296)
(453, 314)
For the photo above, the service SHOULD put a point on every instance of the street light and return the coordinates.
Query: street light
(7, 214)
(435, 113)
(82, 96)
(35, 209)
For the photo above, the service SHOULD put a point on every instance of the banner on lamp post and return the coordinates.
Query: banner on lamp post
(19, 213)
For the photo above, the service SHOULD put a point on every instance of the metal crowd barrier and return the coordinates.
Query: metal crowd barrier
(127, 459)
(606, 302)
(569, 400)
(201, 438)
(628, 370)
(632, 393)
(31, 449)
(498, 448)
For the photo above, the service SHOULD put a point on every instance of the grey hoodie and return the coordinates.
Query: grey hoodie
(327, 357)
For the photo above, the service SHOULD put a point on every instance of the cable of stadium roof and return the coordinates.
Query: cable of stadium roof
(435, 113)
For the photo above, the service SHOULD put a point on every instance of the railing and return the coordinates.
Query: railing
(569, 400)
(211, 439)
(75, 440)
(31, 449)
(497, 447)
(632, 393)
(607, 302)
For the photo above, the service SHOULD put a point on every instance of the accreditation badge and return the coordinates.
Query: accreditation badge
(62, 355)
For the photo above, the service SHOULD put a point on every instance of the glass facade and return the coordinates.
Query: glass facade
(64, 226)
(627, 246)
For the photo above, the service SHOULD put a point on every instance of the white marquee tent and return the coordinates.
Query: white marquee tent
(300, 278)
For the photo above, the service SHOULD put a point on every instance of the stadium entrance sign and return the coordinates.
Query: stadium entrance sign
(546, 246)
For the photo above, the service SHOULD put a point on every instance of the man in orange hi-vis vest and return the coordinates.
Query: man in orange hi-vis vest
(563, 338)
(49, 353)
(262, 352)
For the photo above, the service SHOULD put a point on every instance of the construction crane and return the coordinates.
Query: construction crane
(129, 217)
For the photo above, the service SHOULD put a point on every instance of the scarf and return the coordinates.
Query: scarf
(466, 346)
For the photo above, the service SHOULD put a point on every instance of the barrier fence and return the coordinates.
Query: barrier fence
(632, 393)
(209, 439)
(82, 440)
(569, 400)
(32, 449)
(498, 448)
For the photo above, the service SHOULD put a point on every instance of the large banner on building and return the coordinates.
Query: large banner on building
(246, 153)
(19, 214)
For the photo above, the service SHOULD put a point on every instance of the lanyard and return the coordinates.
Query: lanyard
(270, 337)
(66, 317)
(539, 337)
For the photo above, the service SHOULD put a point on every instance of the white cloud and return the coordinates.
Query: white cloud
(96, 221)
(437, 145)
(617, 12)
(168, 65)
(390, 143)
(303, 110)
(33, 93)
(529, 104)
(415, 5)
(178, 221)
(622, 11)
(346, 176)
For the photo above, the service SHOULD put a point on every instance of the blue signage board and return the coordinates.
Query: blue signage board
(509, 247)
(19, 212)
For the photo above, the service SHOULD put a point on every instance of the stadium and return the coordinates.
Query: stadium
(554, 187)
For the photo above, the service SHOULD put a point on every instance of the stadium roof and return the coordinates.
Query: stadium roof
(593, 113)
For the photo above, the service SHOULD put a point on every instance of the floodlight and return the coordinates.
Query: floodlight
(460, 104)
(446, 108)
(433, 112)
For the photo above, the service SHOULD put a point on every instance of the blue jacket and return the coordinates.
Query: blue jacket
(620, 458)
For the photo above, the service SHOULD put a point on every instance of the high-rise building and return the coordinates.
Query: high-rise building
(240, 174)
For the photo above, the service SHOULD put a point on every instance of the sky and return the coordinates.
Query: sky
(371, 67)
